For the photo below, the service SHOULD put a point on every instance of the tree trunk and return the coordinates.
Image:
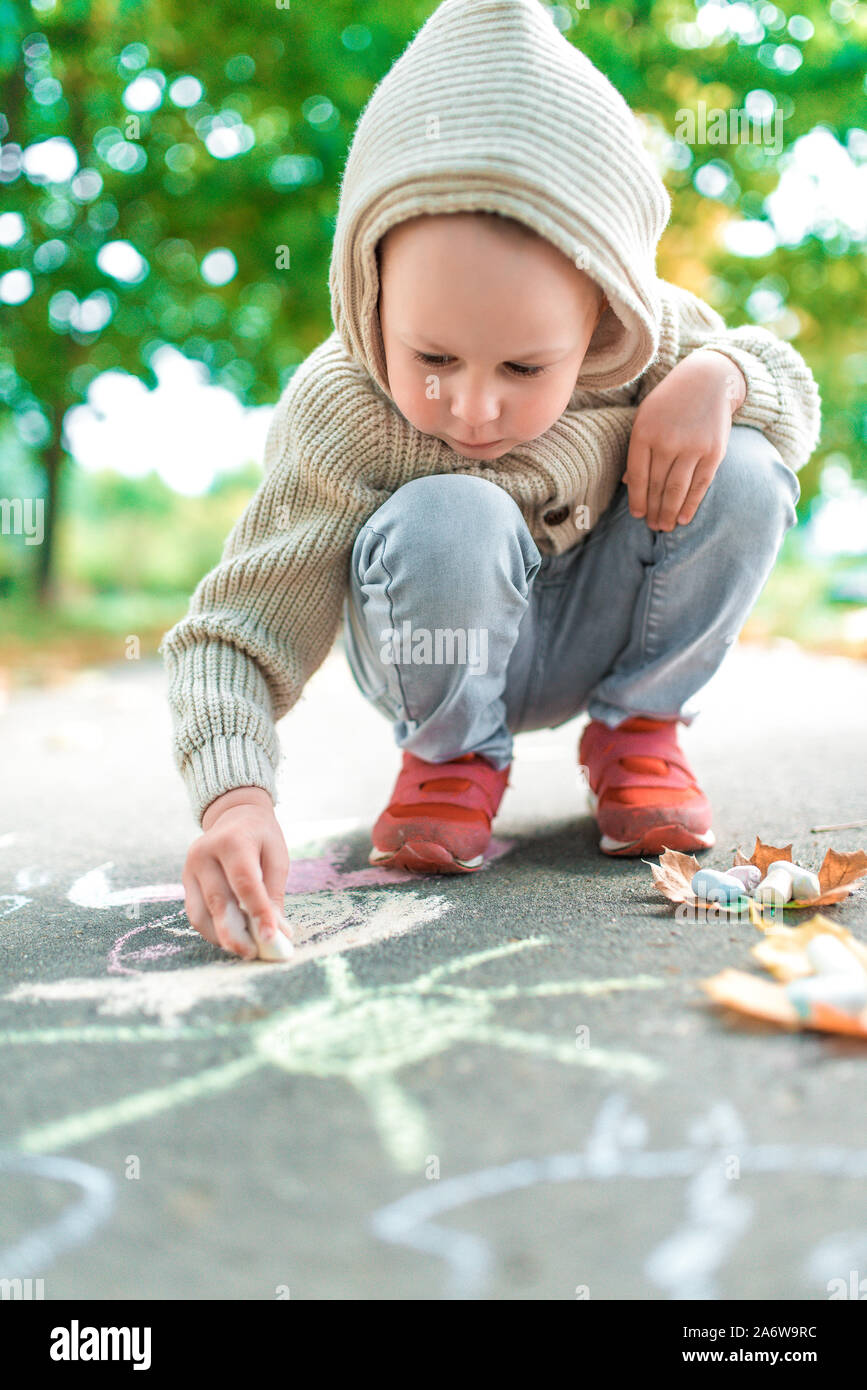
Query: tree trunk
(46, 590)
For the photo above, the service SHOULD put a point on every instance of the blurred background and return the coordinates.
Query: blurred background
(168, 190)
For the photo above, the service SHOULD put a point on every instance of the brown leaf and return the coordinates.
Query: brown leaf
(837, 877)
(673, 874)
(764, 855)
(838, 874)
(750, 994)
(782, 950)
(835, 895)
(838, 869)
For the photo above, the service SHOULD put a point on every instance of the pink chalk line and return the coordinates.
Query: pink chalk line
(307, 876)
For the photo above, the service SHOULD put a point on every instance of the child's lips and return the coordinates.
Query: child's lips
(488, 444)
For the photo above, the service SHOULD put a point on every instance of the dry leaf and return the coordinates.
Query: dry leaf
(783, 952)
(783, 949)
(837, 876)
(749, 994)
(673, 874)
(838, 869)
(764, 855)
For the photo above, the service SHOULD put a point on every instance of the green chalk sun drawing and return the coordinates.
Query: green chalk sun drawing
(362, 1035)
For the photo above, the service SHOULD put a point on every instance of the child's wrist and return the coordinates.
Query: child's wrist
(733, 381)
(236, 796)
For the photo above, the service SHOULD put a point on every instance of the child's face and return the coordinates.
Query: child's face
(503, 322)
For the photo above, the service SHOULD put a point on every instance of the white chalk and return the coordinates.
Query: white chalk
(750, 875)
(828, 956)
(846, 992)
(242, 927)
(786, 880)
(776, 886)
(805, 884)
(279, 947)
(714, 887)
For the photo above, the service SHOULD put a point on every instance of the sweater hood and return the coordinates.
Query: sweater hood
(491, 108)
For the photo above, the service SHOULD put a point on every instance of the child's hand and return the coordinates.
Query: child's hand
(240, 859)
(680, 436)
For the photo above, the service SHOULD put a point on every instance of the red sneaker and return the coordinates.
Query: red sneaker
(438, 820)
(641, 788)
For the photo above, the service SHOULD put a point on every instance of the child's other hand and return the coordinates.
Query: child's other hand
(240, 859)
(679, 438)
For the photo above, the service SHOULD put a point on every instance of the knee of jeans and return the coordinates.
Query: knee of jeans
(753, 485)
(445, 512)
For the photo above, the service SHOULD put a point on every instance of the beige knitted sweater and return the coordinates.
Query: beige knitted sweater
(489, 107)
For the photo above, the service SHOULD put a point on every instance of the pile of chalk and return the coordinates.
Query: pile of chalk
(838, 979)
(784, 882)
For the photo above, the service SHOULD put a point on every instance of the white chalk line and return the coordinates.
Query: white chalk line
(16, 901)
(686, 1262)
(470, 1259)
(323, 924)
(77, 1129)
(37, 1251)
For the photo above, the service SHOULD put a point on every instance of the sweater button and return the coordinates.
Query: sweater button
(556, 517)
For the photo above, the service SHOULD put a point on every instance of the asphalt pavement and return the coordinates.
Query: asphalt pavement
(506, 1085)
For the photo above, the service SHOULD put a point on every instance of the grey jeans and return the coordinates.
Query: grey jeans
(462, 634)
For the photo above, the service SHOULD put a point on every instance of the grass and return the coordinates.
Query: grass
(794, 604)
(42, 645)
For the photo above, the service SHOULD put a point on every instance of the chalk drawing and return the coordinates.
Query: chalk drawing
(838, 1256)
(320, 874)
(717, 1215)
(31, 877)
(322, 925)
(615, 1149)
(37, 1250)
(362, 1035)
(118, 953)
(14, 901)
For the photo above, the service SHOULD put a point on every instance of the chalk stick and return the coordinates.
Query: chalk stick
(829, 956)
(242, 928)
(750, 875)
(776, 886)
(279, 947)
(845, 992)
(714, 887)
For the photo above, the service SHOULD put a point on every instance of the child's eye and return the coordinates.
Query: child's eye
(432, 361)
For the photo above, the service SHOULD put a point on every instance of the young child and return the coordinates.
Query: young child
(532, 478)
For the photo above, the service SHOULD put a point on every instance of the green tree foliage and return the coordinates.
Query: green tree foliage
(190, 130)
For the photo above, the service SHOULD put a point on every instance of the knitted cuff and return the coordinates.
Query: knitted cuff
(782, 397)
(761, 407)
(223, 764)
